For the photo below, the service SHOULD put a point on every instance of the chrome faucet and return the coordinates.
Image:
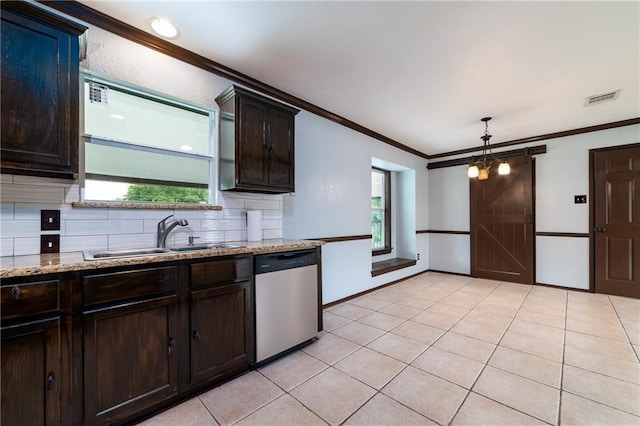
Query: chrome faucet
(164, 229)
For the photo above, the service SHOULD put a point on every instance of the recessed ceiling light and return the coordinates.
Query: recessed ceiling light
(164, 28)
(117, 116)
(186, 147)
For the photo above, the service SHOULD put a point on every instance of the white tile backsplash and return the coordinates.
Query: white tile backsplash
(69, 213)
(84, 242)
(6, 247)
(271, 224)
(231, 203)
(191, 215)
(207, 237)
(263, 204)
(72, 194)
(156, 215)
(20, 228)
(30, 193)
(97, 227)
(223, 225)
(272, 215)
(40, 181)
(272, 233)
(22, 198)
(133, 241)
(6, 211)
(237, 214)
(235, 235)
(30, 211)
(26, 246)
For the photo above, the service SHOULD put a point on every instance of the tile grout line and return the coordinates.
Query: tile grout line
(590, 371)
(486, 363)
(406, 366)
(564, 348)
(418, 288)
(622, 325)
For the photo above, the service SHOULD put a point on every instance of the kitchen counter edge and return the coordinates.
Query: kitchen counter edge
(40, 264)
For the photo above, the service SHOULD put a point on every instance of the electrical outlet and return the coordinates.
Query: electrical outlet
(418, 256)
(49, 243)
(49, 220)
(580, 199)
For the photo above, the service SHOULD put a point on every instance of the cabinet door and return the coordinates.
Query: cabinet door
(39, 95)
(30, 374)
(281, 153)
(130, 360)
(252, 147)
(222, 330)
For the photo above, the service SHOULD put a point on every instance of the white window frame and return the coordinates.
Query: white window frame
(153, 95)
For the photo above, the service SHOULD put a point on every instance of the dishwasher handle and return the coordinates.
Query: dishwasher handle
(286, 260)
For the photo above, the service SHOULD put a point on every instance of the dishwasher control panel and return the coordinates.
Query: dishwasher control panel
(285, 260)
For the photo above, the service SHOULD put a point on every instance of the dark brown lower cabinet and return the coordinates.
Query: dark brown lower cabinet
(221, 330)
(109, 346)
(130, 360)
(31, 367)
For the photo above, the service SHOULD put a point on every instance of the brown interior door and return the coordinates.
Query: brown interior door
(617, 221)
(502, 230)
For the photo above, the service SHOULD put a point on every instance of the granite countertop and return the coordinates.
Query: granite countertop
(39, 264)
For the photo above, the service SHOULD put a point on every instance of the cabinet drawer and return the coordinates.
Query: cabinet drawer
(128, 285)
(30, 298)
(221, 271)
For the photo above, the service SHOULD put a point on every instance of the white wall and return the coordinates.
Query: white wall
(561, 173)
(333, 198)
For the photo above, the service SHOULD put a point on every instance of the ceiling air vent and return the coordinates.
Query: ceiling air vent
(98, 93)
(604, 97)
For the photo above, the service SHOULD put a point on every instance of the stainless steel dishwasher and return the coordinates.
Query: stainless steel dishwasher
(286, 302)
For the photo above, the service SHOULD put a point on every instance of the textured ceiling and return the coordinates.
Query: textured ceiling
(424, 73)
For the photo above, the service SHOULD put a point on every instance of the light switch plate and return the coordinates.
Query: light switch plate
(49, 220)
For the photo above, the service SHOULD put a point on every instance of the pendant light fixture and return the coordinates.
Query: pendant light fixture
(480, 168)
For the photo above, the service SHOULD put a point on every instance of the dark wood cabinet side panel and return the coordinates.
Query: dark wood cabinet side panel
(30, 357)
(128, 285)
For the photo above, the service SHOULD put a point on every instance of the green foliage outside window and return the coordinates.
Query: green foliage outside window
(166, 194)
(376, 222)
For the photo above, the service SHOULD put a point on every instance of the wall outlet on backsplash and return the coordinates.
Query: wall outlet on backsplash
(49, 244)
(49, 220)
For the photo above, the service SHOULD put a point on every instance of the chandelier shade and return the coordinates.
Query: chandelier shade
(480, 168)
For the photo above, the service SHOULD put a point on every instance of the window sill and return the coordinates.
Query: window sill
(381, 251)
(379, 268)
(154, 206)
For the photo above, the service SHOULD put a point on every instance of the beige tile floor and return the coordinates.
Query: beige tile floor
(445, 349)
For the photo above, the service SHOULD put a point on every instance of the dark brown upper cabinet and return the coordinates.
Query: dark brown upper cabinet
(256, 143)
(39, 92)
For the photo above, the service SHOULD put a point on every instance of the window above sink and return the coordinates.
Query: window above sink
(142, 146)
